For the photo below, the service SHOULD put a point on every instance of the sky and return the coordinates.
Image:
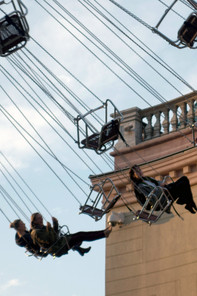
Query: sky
(78, 66)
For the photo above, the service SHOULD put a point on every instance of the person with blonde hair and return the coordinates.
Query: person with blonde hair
(23, 238)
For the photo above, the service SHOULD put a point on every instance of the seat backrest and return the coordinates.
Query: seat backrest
(159, 200)
(98, 196)
(12, 33)
(109, 132)
(188, 32)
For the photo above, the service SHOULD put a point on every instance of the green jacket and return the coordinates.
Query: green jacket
(51, 241)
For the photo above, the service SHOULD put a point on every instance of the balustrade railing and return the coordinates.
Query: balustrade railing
(168, 117)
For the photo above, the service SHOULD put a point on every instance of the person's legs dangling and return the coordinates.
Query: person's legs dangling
(79, 237)
(181, 189)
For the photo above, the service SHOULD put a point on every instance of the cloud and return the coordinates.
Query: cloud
(16, 146)
(59, 210)
(9, 284)
(84, 66)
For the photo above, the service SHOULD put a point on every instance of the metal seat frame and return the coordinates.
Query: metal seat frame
(102, 140)
(14, 29)
(61, 233)
(91, 206)
(154, 215)
(188, 29)
(188, 32)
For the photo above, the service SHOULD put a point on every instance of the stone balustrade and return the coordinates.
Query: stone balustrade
(168, 117)
(140, 125)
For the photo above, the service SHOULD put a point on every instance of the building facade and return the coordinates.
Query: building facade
(161, 259)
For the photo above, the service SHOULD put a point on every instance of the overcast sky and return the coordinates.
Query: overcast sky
(93, 77)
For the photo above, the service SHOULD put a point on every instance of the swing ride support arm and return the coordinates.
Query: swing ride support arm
(165, 13)
(116, 112)
(193, 3)
(91, 111)
(174, 43)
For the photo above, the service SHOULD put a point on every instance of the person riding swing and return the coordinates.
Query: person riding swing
(23, 239)
(50, 240)
(179, 191)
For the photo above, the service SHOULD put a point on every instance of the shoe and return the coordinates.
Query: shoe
(82, 251)
(190, 208)
(107, 231)
(180, 201)
(86, 250)
(168, 210)
(194, 205)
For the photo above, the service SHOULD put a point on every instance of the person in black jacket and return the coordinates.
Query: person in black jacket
(179, 190)
(23, 238)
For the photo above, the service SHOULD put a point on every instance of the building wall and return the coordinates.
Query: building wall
(156, 260)
(161, 259)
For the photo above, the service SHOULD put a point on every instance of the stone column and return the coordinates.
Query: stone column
(165, 122)
(131, 127)
(173, 120)
(148, 128)
(157, 126)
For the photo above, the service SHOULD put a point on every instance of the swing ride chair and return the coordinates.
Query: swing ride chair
(187, 34)
(91, 205)
(13, 30)
(28, 254)
(103, 140)
(61, 233)
(158, 197)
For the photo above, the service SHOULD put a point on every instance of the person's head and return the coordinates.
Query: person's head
(135, 173)
(18, 225)
(36, 220)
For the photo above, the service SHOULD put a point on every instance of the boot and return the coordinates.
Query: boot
(194, 205)
(189, 207)
(81, 251)
(107, 231)
(168, 210)
(181, 201)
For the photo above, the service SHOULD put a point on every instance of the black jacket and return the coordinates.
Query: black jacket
(27, 242)
(142, 190)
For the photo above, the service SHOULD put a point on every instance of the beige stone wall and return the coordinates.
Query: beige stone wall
(160, 259)
(156, 260)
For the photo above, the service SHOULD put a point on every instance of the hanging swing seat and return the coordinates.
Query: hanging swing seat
(13, 33)
(160, 203)
(109, 133)
(102, 140)
(97, 194)
(188, 32)
(91, 142)
(58, 253)
(146, 216)
(92, 211)
(96, 213)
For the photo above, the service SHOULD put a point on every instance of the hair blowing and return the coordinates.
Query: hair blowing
(132, 172)
(33, 218)
(15, 224)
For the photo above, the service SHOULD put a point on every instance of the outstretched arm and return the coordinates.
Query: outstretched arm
(55, 224)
